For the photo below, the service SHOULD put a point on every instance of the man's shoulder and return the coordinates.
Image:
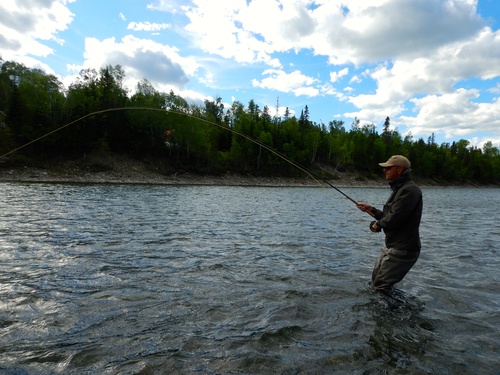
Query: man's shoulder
(411, 185)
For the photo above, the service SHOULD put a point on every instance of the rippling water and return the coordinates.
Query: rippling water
(236, 280)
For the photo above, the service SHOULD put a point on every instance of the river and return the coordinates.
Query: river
(141, 279)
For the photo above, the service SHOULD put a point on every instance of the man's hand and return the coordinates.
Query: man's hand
(374, 227)
(364, 207)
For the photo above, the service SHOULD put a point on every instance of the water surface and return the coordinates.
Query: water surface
(238, 280)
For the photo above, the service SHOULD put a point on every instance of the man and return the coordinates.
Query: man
(400, 221)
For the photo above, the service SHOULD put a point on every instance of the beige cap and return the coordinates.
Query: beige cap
(398, 160)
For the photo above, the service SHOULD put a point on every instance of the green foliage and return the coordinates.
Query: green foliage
(209, 138)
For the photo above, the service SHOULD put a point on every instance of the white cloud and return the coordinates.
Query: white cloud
(355, 79)
(167, 6)
(207, 80)
(306, 91)
(412, 54)
(189, 95)
(352, 32)
(295, 82)
(432, 84)
(423, 48)
(481, 141)
(163, 64)
(457, 114)
(147, 26)
(374, 31)
(495, 89)
(225, 36)
(26, 26)
(335, 76)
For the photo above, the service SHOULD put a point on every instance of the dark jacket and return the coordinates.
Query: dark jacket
(401, 216)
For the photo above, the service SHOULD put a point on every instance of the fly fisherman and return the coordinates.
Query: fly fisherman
(400, 220)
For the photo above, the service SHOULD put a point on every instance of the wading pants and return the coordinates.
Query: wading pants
(391, 266)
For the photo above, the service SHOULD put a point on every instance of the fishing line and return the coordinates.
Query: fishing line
(317, 178)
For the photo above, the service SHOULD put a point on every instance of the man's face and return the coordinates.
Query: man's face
(393, 173)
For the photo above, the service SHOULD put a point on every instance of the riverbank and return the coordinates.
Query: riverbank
(113, 169)
(122, 170)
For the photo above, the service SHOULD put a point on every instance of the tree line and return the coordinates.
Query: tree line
(88, 117)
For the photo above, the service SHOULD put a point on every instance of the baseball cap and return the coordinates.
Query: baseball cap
(398, 160)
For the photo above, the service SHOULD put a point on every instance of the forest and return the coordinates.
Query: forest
(42, 120)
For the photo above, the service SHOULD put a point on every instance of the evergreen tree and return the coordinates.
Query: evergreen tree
(164, 124)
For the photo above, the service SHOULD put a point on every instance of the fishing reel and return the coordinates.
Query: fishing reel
(373, 229)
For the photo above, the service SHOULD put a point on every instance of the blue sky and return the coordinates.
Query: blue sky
(432, 66)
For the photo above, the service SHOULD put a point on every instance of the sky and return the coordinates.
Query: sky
(431, 66)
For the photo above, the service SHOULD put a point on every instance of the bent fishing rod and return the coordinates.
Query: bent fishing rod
(310, 173)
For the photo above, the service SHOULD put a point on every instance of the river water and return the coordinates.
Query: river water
(138, 279)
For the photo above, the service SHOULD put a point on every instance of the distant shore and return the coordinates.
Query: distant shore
(121, 170)
(136, 176)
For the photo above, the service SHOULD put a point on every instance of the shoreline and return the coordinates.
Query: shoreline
(133, 177)
(122, 170)
(117, 169)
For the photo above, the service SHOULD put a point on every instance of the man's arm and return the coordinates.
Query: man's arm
(372, 211)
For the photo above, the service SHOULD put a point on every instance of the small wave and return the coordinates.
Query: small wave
(281, 336)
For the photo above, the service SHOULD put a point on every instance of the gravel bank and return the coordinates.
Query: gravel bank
(121, 170)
